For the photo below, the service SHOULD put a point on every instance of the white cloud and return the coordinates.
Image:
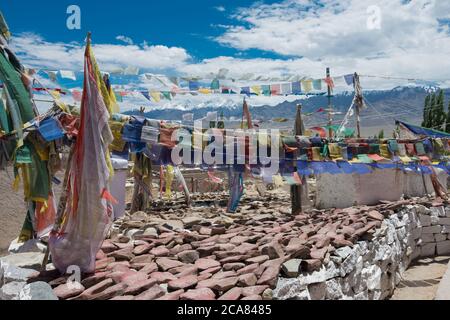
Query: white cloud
(410, 43)
(34, 51)
(220, 8)
(125, 39)
(333, 33)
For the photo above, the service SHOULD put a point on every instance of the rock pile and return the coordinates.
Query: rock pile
(209, 255)
(260, 253)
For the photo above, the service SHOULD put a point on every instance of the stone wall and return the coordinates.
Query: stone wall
(372, 269)
(345, 190)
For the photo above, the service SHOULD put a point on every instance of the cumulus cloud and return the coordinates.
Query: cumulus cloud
(412, 39)
(36, 52)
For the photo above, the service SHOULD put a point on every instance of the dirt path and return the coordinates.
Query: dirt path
(12, 211)
(422, 279)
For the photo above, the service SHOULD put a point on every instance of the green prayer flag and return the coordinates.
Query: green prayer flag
(23, 155)
(167, 95)
(4, 123)
(364, 158)
(11, 78)
(266, 90)
(215, 85)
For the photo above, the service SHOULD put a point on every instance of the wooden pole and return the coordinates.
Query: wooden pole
(296, 190)
(357, 107)
(330, 107)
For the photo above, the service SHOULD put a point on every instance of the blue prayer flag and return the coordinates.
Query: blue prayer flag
(296, 87)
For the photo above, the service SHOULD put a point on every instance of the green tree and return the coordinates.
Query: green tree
(431, 108)
(439, 116)
(426, 111)
(381, 135)
(447, 125)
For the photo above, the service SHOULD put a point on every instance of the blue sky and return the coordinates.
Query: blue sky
(246, 38)
(186, 24)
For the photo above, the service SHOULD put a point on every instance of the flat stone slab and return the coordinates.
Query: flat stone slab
(443, 292)
(31, 260)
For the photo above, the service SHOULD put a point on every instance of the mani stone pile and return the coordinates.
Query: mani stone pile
(253, 255)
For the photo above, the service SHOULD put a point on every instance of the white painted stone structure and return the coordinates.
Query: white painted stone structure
(347, 190)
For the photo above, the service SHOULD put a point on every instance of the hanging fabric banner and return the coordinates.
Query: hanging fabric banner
(87, 215)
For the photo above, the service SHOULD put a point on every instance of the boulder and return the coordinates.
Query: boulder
(30, 260)
(38, 291)
(30, 246)
(11, 273)
(291, 268)
(11, 291)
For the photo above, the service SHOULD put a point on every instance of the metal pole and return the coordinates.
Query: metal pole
(330, 107)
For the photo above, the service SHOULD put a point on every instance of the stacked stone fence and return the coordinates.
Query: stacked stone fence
(372, 269)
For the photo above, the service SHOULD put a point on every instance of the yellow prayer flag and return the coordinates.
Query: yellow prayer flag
(317, 156)
(204, 91)
(335, 151)
(406, 159)
(307, 85)
(256, 90)
(156, 96)
(278, 181)
(384, 151)
(115, 108)
(56, 94)
(170, 174)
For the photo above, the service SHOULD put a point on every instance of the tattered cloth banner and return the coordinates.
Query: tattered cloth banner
(87, 214)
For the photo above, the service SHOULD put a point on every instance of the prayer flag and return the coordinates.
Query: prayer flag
(330, 83)
(256, 90)
(215, 84)
(146, 95)
(307, 85)
(286, 88)
(349, 78)
(266, 90)
(245, 90)
(156, 96)
(86, 216)
(317, 85)
(275, 89)
(167, 95)
(296, 88)
(66, 74)
(194, 85)
(77, 95)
